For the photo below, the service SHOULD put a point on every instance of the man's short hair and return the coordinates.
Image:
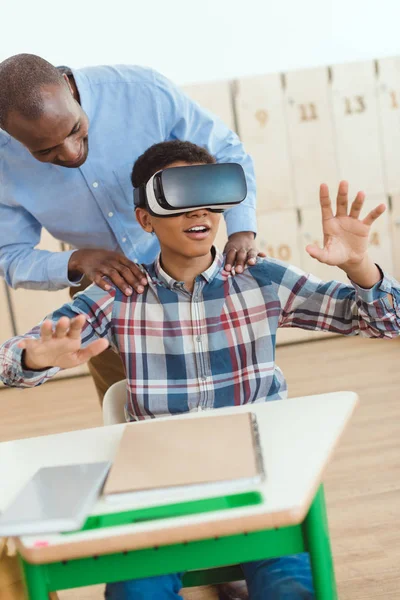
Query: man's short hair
(159, 156)
(21, 78)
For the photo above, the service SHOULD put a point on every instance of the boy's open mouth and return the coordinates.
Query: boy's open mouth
(197, 232)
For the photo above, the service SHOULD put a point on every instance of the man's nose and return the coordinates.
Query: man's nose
(70, 151)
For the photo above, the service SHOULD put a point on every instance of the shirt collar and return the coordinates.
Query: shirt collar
(84, 95)
(162, 277)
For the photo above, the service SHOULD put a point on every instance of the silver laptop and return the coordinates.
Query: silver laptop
(56, 499)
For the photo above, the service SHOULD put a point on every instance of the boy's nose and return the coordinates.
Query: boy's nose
(196, 212)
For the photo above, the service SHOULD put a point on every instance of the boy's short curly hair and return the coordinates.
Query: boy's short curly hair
(159, 156)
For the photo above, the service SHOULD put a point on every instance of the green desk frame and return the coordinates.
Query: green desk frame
(193, 557)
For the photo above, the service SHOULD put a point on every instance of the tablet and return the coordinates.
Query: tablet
(56, 499)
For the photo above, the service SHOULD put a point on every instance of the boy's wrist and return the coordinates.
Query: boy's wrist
(365, 273)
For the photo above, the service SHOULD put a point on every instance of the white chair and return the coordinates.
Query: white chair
(114, 404)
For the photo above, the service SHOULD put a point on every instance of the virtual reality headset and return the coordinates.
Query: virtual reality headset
(177, 190)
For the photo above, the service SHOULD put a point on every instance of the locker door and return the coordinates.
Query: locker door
(395, 235)
(31, 306)
(311, 134)
(389, 113)
(6, 329)
(354, 97)
(380, 246)
(278, 237)
(215, 97)
(263, 130)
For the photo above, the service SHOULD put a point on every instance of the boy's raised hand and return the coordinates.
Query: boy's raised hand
(345, 235)
(61, 347)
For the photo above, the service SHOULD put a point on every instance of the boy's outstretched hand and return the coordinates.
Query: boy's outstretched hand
(346, 236)
(61, 347)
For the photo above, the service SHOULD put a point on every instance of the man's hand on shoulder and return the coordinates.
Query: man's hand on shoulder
(240, 250)
(97, 264)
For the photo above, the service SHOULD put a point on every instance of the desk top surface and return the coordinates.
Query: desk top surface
(297, 439)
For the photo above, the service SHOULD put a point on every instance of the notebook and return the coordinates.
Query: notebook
(216, 454)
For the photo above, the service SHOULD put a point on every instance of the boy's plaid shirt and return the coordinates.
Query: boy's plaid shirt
(216, 346)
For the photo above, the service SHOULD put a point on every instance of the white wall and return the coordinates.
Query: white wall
(202, 40)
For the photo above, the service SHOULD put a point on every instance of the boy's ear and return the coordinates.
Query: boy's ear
(144, 219)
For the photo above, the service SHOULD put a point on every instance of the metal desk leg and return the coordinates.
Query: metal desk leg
(35, 581)
(316, 533)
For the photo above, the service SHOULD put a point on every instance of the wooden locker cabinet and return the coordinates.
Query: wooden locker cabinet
(278, 236)
(358, 140)
(389, 114)
(380, 245)
(311, 133)
(215, 97)
(395, 235)
(262, 129)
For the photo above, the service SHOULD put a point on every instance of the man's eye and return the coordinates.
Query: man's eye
(44, 152)
(76, 129)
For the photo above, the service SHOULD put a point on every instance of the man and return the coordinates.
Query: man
(66, 151)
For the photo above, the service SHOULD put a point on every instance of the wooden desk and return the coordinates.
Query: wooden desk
(297, 438)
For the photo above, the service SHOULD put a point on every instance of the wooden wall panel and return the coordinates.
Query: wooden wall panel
(389, 114)
(311, 133)
(278, 237)
(380, 247)
(355, 109)
(395, 235)
(215, 97)
(263, 130)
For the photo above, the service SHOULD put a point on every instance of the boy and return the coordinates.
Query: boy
(200, 338)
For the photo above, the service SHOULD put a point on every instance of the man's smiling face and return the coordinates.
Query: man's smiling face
(60, 134)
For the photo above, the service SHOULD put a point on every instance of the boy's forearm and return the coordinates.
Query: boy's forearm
(365, 274)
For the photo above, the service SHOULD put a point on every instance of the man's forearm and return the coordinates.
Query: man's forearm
(35, 269)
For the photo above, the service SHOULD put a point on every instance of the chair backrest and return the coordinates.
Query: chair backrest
(114, 404)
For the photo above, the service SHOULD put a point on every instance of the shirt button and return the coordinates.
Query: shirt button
(198, 338)
(95, 184)
(110, 214)
(203, 378)
(124, 240)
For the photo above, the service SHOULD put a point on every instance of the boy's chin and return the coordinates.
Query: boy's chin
(199, 253)
(197, 250)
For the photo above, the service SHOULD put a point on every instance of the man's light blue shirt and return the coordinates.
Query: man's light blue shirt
(129, 109)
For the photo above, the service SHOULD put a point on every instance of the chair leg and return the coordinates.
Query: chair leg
(317, 541)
